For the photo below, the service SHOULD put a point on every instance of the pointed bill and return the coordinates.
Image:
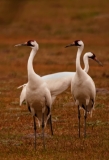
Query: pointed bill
(22, 44)
(70, 45)
(98, 61)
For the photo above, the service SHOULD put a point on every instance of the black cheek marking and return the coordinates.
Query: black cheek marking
(76, 43)
(29, 43)
(93, 56)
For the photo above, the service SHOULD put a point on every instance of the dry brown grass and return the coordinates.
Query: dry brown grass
(53, 24)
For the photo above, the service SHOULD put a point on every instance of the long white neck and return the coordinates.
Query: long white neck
(86, 63)
(32, 76)
(78, 65)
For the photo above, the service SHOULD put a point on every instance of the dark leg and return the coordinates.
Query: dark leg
(34, 130)
(43, 125)
(51, 127)
(85, 117)
(50, 120)
(79, 120)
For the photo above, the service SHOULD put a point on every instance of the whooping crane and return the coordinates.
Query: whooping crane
(61, 81)
(38, 97)
(82, 86)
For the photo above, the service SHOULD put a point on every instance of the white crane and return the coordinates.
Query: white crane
(82, 87)
(59, 82)
(38, 97)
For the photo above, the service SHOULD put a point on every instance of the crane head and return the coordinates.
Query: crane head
(77, 43)
(30, 43)
(93, 56)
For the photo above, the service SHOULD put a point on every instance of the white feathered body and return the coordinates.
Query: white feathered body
(38, 98)
(56, 83)
(83, 90)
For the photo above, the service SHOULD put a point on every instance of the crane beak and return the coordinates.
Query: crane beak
(22, 44)
(70, 45)
(98, 61)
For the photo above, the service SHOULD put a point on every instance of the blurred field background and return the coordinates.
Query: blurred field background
(53, 24)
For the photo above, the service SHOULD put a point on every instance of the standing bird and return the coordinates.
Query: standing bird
(82, 87)
(38, 97)
(59, 82)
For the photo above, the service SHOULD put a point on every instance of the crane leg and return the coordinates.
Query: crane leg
(85, 117)
(78, 121)
(50, 120)
(51, 127)
(43, 126)
(34, 131)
